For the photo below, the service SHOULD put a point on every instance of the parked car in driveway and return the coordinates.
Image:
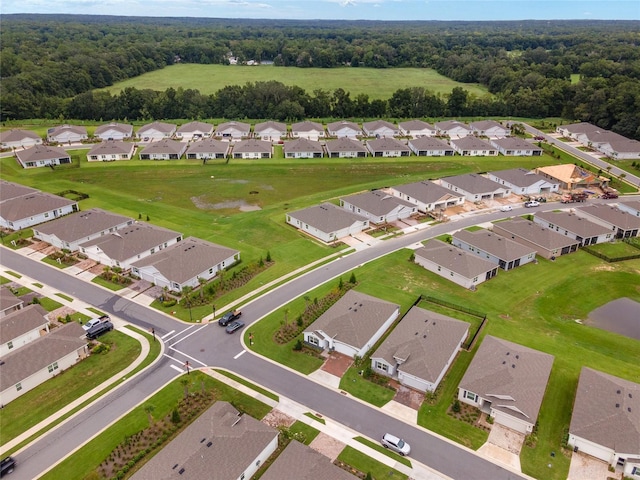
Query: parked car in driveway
(7, 465)
(506, 208)
(237, 325)
(396, 444)
(99, 329)
(532, 203)
(94, 321)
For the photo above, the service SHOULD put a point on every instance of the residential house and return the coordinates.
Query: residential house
(185, 264)
(127, 245)
(304, 463)
(302, 148)
(620, 222)
(26, 367)
(501, 251)
(574, 226)
(27, 207)
(309, 130)
(345, 148)
(417, 129)
(22, 326)
(574, 129)
(380, 129)
(15, 138)
(508, 382)
(430, 147)
(110, 151)
(207, 149)
(233, 130)
(70, 231)
(598, 138)
(453, 129)
(165, 149)
(621, 149)
(194, 131)
(524, 182)
(473, 146)
(570, 176)
(379, 207)
(546, 242)
(270, 131)
(327, 222)
(220, 443)
(516, 147)
(630, 206)
(42, 156)
(489, 128)
(387, 147)
(114, 131)
(156, 131)
(352, 325)
(454, 264)
(344, 129)
(67, 134)
(9, 303)
(420, 349)
(605, 421)
(252, 148)
(475, 187)
(427, 196)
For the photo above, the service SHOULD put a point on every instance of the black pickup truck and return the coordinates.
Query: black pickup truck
(6, 466)
(229, 317)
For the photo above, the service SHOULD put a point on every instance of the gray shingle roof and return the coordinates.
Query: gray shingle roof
(355, 318)
(606, 411)
(218, 444)
(427, 192)
(252, 145)
(454, 259)
(423, 341)
(242, 127)
(484, 124)
(536, 234)
(21, 321)
(573, 223)
(41, 152)
(327, 217)
(9, 190)
(377, 202)
(513, 377)
(377, 124)
(32, 204)
(625, 145)
(307, 126)
(503, 248)
(332, 127)
(449, 124)
(195, 127)
(8, 300)
(471, 143)
(127, 130)
(15, 135)
(186, 259)
(278, 126)
(302, 145)
(111, 147)
(581, 127)
(304, 463)
(344, 144)
(633, 204)
(612, 215)
(55, 131)
(387, 144)
(430, 143)
(129, 241)
(520, 177)
(208, 145)
(82, 224)
(165, 146)
(415, 125)
(515, 143)
(36, 355)
(159, 126)
(473, 183)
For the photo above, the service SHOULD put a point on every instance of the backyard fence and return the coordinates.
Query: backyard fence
(609, 259)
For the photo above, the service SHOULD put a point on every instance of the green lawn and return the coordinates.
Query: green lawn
(616, 249)
(34, 406)
(376, 83)
(246, 383)
(48, 304)
(366, 464)
(363, 389)
(89, 457)
(306, 434)
(107, 284)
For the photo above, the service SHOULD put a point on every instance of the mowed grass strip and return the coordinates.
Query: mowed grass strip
(374, 82)
(248, 384)
(303, 432)
(366, 464)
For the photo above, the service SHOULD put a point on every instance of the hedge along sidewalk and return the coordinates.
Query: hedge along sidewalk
(95, 391)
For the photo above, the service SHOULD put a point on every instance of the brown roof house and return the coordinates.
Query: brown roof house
(380, 129)
(453, 263)
(36, 362)
(10, 190)
(207, 149)
(427, 196)
(574, 226)
(571, 176)
(185, 263)
(69, 232)
(327, 222)
(21, 327)
(114, 131)
(67, 134)
(472, 146)
(352, 325)
(344, 129)
(32, 207)
(9, 303)
(270, 131)
(420, 349)
(505, 253)
(252, 148)
(622, 223)
(156, 131)
(524, 182)
(233, 130)
(417, 129)
(221, 443)
(194, 131)
(378, 206)
(388, 147)
(110, 151)
(605, 422)
(515, 147)
(546, 242)
(303, 148)
(309, 130)
(304, 463)
(345, 147)
(165, 149)
(127, 245)
(507, 381)
(42, 156)
(475, 187)
(16, 138)
(430, 147)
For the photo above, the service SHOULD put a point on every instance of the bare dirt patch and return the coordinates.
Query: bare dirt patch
(407, 396)
(337, 364)
(328, 446)
(275, 418)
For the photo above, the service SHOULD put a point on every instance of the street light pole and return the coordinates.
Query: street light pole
(214, 311)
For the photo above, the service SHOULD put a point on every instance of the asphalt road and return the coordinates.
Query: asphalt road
(209, 345)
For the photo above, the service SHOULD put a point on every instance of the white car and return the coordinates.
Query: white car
(506, 208)
(396, 444)
(531, 204)
(93, 322)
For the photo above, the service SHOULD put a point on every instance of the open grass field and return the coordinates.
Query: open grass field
(374, 82)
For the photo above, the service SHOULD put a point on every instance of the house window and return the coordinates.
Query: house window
(313, 340)
(471, 396)
(18, 386)
(10, 345)
(210, 271)
(53, 367)
(382, 366)
(46, 214)
(439, 268)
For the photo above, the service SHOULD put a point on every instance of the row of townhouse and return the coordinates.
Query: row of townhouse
(610, 144)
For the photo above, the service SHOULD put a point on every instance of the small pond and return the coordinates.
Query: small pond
(620, 316)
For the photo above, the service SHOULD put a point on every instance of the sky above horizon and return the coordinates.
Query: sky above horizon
(342, 9)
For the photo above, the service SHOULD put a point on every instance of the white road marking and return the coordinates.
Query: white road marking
(179, 333)
(240, 354)
(167, 334)
(177, 368)
(187, 336)
(188, 356)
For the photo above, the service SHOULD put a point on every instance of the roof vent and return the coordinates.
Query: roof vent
(434, 323)
(181, 471)
(504, 362)
(508, 353)
(630, 396)
(518, 357)
(513, 365)
(209, 444)
(424, 336)
(175, 466)
(617, 405)
(202, 441)
(618, 392)
(416, 333)
(629, 409)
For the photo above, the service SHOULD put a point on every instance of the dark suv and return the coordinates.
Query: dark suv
(99, 329)
(6, 466)
(229, 317)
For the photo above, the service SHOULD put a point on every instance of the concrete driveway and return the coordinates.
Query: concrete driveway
(585, 466)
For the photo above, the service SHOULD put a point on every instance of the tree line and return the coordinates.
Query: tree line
(50, 64)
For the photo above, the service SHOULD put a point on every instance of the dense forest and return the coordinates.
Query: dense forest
(50, 64)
